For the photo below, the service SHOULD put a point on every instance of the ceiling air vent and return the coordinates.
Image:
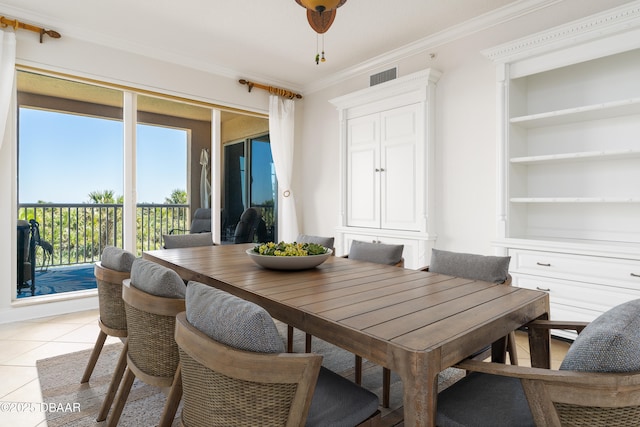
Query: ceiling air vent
(383, 76)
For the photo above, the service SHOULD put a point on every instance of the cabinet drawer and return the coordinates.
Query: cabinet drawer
(589, 299)
(590, 269)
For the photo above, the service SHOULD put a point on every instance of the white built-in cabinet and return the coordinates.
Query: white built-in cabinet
(386, 147)
(569, 156)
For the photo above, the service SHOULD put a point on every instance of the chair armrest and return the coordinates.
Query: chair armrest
(604, 379)
(557, 324)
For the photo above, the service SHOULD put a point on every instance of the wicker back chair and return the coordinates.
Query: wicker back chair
(113, 319)
(152, 354)
(235, 371)
(217, 381)
(597, 385)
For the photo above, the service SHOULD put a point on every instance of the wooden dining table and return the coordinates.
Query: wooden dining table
(413, 322)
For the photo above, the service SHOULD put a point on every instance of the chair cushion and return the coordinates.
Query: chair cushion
(172, 241)
(339, 402)
(611, 343)
(327, 242)
(117, 259)
(231, 320)
(470, 266)
(379, 253)
(156, 279)
(484, 400)
(201, 221)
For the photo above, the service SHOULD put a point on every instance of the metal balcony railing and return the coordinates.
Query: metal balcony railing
(77, 233)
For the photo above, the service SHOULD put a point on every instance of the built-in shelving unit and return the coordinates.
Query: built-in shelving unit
(569, 156)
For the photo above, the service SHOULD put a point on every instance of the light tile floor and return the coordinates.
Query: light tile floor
(23, 343)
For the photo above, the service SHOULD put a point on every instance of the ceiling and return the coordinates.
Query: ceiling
(255, 39)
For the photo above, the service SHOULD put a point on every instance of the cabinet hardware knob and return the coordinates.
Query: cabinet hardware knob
(543, 264)
(543, 289)
(381, 169)
(377, 170)
(635, 275)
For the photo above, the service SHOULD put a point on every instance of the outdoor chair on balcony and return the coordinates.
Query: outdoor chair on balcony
(235, 372)
(28, 240)
(26, 273)
(152, 297)
(114, 267)
(200, 223)
(598, 383)
(250, 225)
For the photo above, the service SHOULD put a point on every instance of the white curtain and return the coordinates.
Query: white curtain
(205, 185)
(7, 76)
(281, 125)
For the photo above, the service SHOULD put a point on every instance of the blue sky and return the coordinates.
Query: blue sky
(65, 157)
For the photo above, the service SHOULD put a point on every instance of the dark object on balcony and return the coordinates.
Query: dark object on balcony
(201, 222)
(28, 236)
(250, 224)
(26, 258)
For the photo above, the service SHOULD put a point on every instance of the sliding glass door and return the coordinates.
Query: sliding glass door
(249, 181)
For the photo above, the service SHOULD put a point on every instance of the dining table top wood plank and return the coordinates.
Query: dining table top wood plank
(458, 319)
(390, 311)
(302, 286)
(392, 292)
(450, 305)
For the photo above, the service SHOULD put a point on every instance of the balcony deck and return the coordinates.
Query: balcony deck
(59, 279)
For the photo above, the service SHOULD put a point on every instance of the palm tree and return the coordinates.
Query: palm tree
(177, 197)
(106, 197)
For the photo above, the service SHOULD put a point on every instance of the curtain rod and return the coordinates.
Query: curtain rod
(15, 24)
(285, 93)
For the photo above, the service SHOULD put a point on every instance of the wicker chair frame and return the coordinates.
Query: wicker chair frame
(113, 319)
(152, 354)
(570, 398)
(224, 386)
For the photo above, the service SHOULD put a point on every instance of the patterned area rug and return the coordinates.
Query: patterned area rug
(60, 384)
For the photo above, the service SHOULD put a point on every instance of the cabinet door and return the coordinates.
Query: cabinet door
(399, 157)
(363, 176)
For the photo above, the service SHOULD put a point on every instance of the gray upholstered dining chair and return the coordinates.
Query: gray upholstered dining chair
(327, 242)
(173, 241)
(493, 269)
(153, 297)
(598, 383)
(234, 371)
(379, 253)
(114, 267)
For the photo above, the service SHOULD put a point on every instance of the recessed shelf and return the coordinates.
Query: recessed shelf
(579, 156)
(578, 114)
(575, 200)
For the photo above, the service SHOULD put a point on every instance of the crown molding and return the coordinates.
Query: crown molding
(610, 22)
(427, 44)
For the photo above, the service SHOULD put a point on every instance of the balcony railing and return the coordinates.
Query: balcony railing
(77, 233)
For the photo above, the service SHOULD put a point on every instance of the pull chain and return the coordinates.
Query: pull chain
(319, 58)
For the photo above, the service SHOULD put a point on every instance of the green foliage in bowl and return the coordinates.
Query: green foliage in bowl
(289, 249)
